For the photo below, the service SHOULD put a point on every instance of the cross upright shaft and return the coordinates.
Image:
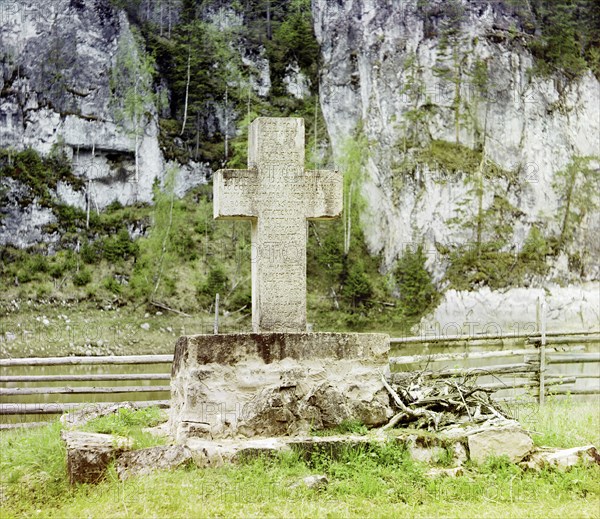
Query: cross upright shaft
(277, 195)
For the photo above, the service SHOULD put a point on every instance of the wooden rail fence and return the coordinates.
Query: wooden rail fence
(537, 355)
(529, 367)
(14, 408)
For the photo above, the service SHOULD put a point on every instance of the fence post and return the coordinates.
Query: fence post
(542, 393)
(216, 325)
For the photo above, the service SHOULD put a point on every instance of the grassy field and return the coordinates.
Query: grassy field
(375, 482)
(84, 329)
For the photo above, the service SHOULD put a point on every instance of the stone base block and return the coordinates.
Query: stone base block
(274, 384)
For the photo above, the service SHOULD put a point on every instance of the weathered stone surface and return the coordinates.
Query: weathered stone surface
(209, 453)
(88, 454)
(276, 384)
(92, 411)
(459, 453)
(145, 461)
(424, 449)
(425, 454)
(333, 446)
(232, 349)
(514, 443)
(278, 195)
(315, 482)
(562, 459)
(215, 453)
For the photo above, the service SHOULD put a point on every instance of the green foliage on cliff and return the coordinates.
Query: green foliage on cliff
(570, 36)
(210, 85)
(576, 186)
(417, 291)
(39, 174)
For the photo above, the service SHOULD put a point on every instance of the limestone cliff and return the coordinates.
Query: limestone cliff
(470, 151)
(409, 74)
(59, 64)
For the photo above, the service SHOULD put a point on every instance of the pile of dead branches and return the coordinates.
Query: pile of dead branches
(433, 404)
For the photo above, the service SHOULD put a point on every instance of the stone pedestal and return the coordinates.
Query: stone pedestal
(272, 384)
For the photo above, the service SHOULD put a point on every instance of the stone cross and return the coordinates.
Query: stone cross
(277, 195)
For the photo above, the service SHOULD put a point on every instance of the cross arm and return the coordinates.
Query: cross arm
(234, 193)
(324, 194)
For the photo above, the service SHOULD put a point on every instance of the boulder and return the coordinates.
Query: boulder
(145, 461)
(514, 443)
(215, 453)
(89, 454)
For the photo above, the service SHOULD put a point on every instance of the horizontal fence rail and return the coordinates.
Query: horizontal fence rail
(79, 361)
(80, 390)
(535, 355)
(532, 338)
(85, 378)
(33, 388)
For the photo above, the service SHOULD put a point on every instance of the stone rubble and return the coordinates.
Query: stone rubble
(145, 461)
(89, 454)
(561, 459)
(314, 482)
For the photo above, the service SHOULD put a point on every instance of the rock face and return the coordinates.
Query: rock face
(88, 454)
(388, 66)
(59, 58)
(276, 384)
(513, 311)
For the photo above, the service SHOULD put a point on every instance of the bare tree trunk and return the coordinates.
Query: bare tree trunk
(316, 130)
(480, 186)
(187, 90)
(89, 191)
(269, 29)
(161, 17)
(226, 123)
(348, 220)
(197, 134)
(164, 243)
(248, 98)
(169, 11)
(88, 195)
(570, 188)
(137, 136)
(137, 154)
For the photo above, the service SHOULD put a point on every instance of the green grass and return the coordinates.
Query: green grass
(130, 423)
(562, 422)
(374, 481)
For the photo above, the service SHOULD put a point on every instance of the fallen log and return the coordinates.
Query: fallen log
(84, 378)
(80, 390)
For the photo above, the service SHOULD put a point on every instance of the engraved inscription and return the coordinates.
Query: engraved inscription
(279, 195)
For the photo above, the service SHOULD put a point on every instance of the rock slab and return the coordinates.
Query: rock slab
(89, 454)
(145, 461)
(562, 459)
(514, 443)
